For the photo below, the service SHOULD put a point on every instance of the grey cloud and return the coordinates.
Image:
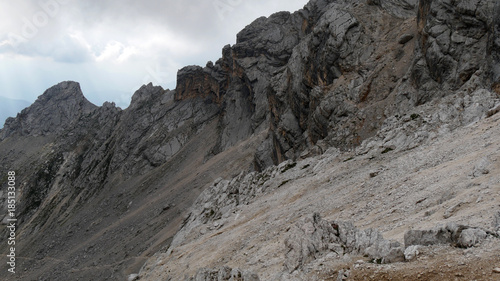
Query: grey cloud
(208, 23)
(198, 30)
(60, 49)
(70, 50)
(202, 19)
(179, 16)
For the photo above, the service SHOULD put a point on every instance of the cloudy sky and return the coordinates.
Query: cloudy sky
(113, 47)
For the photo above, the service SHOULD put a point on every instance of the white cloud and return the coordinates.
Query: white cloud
(113, 51)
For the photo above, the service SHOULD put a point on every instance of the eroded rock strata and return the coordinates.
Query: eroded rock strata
(284, 116)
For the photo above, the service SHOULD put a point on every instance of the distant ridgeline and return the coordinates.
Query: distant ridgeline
(10, 108)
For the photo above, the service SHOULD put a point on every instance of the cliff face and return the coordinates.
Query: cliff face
(375, 76)
(455, 43)
(304, 77)
(331, 73)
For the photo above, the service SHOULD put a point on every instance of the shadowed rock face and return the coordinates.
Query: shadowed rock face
(494, 49)
(454, 39)
(194, 81)
(333, 74)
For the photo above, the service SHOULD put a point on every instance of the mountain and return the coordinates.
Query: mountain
(10, 108)
(324, 142)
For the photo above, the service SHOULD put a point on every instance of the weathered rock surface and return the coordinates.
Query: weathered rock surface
(319, 74)
(283, 74)
(329, 109)
(81, 168)
(451, 233)
(194, 81)
(263, 222)
(399, 8)
(411, 252)
(313, 237)
(272, 232)
(57, 110)
(224, 274)
(496, 222)
(453, 42)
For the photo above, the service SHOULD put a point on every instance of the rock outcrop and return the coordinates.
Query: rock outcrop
(451, 233)
(282, 75)
(313, 237)
(224, 274)
(323, 73)
(453, 43)
(363, 79)
(399, 8)
(56, 111)
(196, 82)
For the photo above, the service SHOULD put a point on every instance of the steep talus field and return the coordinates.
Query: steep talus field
(350, 139)
(272, 223)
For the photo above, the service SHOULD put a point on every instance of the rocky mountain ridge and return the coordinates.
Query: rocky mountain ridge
(375, 77)
(10, 107)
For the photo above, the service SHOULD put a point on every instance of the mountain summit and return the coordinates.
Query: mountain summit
(322, 143)
(60, 107)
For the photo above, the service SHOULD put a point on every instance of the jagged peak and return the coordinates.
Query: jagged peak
(58, 107)
(254, 29)
(66, 90)
(146, 92)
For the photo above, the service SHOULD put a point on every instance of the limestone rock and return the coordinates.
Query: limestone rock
(481, 168)
(451, 233)
(399, 8)
(437, 235)
(313, 237)
(222, 197)
(412, 252)
(452, 43)
(496, 221)
(132, 277)
(196, 82)
(57, 110)
(471, 237)
(224, 274)
(337, 73)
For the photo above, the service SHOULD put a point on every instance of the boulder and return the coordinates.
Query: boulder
(313, 237)
(451, 233)
(412, 252)
(471, 237)
(224, 274)
(405, 38)
(481, 167)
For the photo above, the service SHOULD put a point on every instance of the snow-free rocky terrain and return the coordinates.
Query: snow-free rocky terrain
(350, 140)
(310, 219)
